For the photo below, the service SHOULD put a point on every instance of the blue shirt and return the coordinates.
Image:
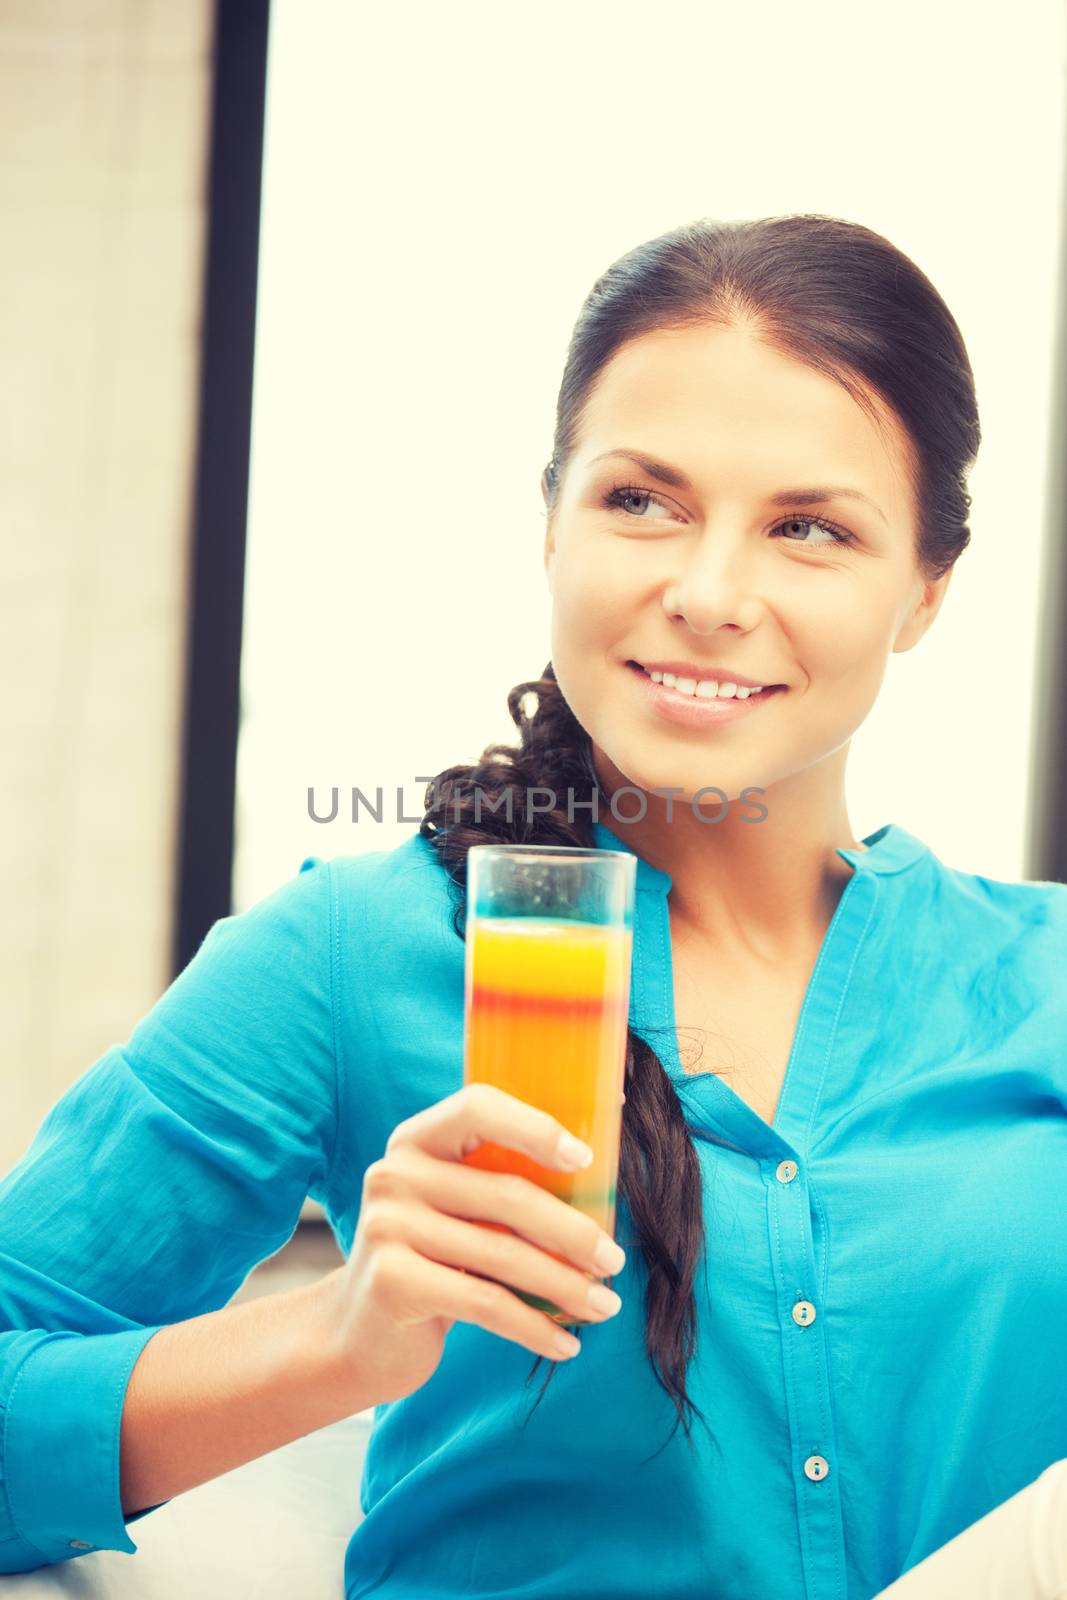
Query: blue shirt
(881, 1310)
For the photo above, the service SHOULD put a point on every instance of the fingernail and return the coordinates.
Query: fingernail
(603, 1300)
(573, 1151)
(610, 1256)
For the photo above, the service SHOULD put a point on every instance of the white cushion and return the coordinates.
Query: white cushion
(274, 1529)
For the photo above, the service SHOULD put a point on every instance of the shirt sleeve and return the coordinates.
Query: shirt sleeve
(173, 1165)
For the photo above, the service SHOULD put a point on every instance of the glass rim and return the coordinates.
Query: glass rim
(588, 852)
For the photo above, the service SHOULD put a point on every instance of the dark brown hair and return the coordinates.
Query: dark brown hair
(841, 299)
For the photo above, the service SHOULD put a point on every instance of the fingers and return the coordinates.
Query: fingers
(480, 1113)
(448, 1240)
(412, 1287)
(505, 1198)
(502, 1256)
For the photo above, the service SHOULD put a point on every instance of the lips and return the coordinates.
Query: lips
(697, 711)
(720, 674)
(758, 691)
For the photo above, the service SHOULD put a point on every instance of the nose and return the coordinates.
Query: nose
(716, 584)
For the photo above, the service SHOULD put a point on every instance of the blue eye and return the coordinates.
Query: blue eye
(838, 535)
(628, 491)
(616, 497)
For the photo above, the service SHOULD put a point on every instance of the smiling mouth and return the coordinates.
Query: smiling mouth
(741, 692)
(707, 712)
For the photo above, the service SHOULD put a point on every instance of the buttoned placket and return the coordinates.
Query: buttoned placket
(782, 1151)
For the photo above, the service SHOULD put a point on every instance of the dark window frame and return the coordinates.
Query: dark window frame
(1046, 842)
(215, 595)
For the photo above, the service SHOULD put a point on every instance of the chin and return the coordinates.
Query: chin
(712, 774)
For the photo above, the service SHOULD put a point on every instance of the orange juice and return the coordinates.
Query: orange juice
(547, 1004)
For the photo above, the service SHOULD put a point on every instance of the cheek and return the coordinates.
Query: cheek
(589, 602)
(849, 646)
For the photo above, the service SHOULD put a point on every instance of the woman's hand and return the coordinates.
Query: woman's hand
(420, 1261)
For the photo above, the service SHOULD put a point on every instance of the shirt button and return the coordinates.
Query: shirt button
(816, 1467)
(80, 1544)
(786, 1171)
(803, 1313)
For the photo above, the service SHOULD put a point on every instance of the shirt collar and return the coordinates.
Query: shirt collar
(890, 849)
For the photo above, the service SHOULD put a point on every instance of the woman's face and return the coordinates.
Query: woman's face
(725, 569)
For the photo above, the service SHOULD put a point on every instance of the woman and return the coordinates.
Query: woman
(846, 1088)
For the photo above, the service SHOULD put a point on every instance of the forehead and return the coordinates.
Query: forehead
(727, 407)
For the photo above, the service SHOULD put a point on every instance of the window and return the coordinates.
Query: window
(441, 189)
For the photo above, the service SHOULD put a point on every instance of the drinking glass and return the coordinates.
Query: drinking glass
(549, 938)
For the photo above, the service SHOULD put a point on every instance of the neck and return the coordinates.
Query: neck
(761, 890)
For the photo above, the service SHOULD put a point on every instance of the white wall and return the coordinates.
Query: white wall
(103, 133)
(442, 187)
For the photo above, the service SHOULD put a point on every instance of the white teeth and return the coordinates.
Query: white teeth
(704, 688)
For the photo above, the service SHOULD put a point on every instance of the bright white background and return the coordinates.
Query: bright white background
(442, 186)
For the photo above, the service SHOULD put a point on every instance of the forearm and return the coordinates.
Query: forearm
(209, 1394)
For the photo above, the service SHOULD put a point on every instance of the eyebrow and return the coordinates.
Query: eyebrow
(783, 497)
